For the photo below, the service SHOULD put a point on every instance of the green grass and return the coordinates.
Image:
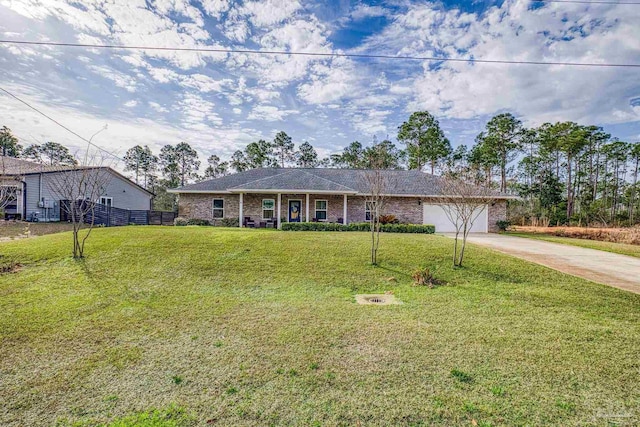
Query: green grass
(259, 327)
(618, 248)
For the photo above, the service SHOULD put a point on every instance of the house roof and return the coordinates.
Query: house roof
(11, 166)
(320, 180)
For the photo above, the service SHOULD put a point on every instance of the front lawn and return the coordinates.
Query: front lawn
(618, 248)
(207, 326)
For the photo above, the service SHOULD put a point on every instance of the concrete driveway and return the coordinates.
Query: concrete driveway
(619, 271)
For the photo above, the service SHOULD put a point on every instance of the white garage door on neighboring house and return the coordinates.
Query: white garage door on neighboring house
(435, 215)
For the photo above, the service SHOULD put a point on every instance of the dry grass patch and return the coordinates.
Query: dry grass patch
(585, 242)
(10, 230)
(630, 236)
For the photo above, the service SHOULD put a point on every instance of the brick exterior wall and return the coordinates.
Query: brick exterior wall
(200, 206)
(497, 212)
(406, 209)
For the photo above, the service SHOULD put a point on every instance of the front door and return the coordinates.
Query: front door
(295, 206)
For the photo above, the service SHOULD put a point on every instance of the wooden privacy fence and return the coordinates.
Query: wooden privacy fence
(110, 216)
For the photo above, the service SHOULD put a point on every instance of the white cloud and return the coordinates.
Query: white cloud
(513, 31)
(198, 113)
(269, 113)
(266, 13)
(330, 82)
(122, 133)
(215, 8)
(159, 108)
(119, 79)
(203, 83)
(326, 98)
(363, 11)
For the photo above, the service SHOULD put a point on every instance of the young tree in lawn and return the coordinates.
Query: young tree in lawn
(283, 148)
(259, 155)
(425, 141)
(50, 153)
(377, 181)
(216, 168)
(9, 143)
(141, 161)
(306, 156)
(463, 202)
(80, 187)
(239, 162)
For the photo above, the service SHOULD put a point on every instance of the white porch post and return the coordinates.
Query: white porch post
(306, 217)
(240, 210)
(279, 219)
(344, 210)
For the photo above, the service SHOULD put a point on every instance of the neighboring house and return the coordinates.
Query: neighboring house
(333, 195)
(34, 189)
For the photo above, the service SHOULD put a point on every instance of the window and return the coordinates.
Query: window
(321, 210)
(107, 201)
(268, 208)
(218, 208)
(368, 208)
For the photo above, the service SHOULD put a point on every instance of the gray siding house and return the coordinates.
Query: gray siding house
(270, 196)
(34, 189)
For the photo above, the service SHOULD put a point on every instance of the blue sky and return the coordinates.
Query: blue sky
(219, 102)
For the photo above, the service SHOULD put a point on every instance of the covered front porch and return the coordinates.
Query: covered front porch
(258, 209)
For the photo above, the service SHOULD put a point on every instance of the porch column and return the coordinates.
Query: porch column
(240, 210)
(344, 210)
(306, 217)
(279, 219)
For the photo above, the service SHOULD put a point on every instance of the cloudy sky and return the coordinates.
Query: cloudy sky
(218, 102)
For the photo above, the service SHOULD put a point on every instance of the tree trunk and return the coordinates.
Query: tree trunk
(503, 173)
(633, 192)
(569, 191)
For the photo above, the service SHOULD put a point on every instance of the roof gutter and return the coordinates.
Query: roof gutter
(353, 193)
(290, 191)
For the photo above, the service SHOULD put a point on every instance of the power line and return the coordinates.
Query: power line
(60, 124)
(321, 54)
(622, 3)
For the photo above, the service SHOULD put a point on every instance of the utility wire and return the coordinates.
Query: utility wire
(59, 124)
(622, 3)
(330, 54)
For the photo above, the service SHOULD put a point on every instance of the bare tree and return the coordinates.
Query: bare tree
(378, 183)
(463, 202)
(10, 182)
(79, 188)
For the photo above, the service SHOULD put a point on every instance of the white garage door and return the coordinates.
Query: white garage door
(435, 215)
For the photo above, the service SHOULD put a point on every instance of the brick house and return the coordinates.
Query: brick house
(259, 197)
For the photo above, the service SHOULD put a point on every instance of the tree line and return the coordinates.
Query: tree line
(564, 172)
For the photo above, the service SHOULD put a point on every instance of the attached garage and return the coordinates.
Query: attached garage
(436, 215)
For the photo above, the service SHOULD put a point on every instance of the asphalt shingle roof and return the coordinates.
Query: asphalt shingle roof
(340, 181)
(13, 166)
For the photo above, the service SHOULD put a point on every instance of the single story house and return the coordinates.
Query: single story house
(323, 194)
(33, 186)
